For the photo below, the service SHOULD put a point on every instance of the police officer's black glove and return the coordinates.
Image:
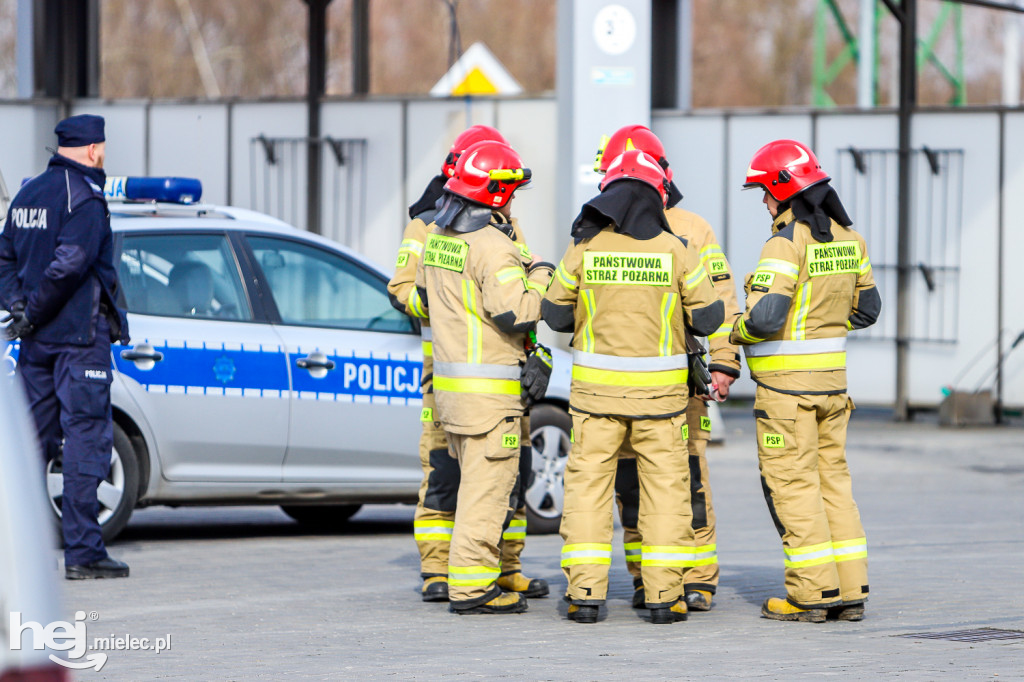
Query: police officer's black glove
(19, 323)
(536, 374)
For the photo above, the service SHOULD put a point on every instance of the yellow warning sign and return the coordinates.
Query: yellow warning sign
(477, 72)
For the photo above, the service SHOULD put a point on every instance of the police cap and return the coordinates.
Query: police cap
(79, 131)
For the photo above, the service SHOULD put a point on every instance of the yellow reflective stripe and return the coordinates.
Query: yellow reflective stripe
(668, 306)
(586, 553)
(799, 329)
(474, 325)
(634, 551)
(745, 335)
(778, 363)
(865, 265)
(428, 349)
(415, 304)
(462, 385)
(474, 575)
(506, 275)
(412, 246)
(694, 278)
(567, 280)
(588, 328)
(433, 530)
(783, 267)
(710, 251)
(848, 550)
(667, 555)
(537, 286)
(724, 330)
(516, 530)
(814, 555)
(610, 377)
(706, 555)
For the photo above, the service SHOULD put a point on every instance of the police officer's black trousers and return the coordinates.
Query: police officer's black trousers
(68, 389)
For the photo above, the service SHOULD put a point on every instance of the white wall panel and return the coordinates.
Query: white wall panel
(190, 140)
(28, 131)
(125, 130)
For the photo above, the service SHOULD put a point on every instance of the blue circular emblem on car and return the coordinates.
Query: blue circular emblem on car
(224, 369)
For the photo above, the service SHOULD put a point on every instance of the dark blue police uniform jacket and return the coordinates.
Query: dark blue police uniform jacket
(56, 254)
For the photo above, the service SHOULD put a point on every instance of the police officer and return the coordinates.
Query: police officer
(434, 522)
(812, 285)
(701, 578)
(57, 278)
(482, 303)
(628, 288)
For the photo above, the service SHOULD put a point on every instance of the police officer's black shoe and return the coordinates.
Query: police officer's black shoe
(583, 613)
(104, 568)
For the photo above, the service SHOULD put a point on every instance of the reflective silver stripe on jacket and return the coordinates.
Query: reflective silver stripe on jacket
(806, 347)
(482, 371)
(621, 364)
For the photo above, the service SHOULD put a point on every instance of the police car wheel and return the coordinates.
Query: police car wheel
(321, 516)
(545, 496)
(117, 493)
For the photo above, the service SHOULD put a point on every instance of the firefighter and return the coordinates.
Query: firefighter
(700, 579)
(482, 303)
(627, 288)
(811, 286)
(435, 510)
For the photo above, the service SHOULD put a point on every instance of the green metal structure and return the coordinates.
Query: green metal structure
(826, 71)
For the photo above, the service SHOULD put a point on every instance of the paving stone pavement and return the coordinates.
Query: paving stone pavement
(246, 594)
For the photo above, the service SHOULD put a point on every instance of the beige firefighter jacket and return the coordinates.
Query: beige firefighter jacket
(724, 355)
(402, 289)
(626, 301)
(481, 303)
(802, 300)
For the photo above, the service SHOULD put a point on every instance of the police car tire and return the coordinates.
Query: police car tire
(112, 526)
(130, 465)
(321, 516)
(544, 521)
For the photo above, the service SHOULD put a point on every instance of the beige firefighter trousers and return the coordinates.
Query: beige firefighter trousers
(434, 521)
(664, 509)
(801, 445)
(489, 465)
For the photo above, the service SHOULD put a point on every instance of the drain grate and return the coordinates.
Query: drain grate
(978, 635)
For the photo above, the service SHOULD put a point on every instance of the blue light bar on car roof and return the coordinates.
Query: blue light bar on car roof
(171, 190)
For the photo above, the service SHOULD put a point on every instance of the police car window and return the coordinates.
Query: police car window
(182, 275)
(312, 286)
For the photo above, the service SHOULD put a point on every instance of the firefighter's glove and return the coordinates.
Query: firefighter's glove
(536, 374)
(19, 325)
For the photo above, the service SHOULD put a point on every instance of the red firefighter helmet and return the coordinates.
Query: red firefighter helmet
(784, 168)
(468, 137)
(626, 138)
(488, 173)
(637, 165)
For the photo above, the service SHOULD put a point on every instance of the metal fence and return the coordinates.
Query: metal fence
(866, 179)
(278, 184)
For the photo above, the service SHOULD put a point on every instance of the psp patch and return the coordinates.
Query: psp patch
(773, 440)
(510, 440)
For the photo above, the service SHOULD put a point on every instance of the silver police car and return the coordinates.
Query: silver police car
(267, 366)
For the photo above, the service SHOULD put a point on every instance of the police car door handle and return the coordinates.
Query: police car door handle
(315, 361)
(135, 354)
